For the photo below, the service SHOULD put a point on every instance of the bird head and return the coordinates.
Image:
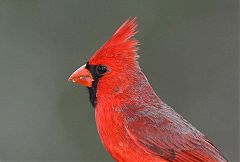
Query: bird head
(108, 70)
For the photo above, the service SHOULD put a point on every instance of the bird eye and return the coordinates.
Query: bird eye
(101, 70)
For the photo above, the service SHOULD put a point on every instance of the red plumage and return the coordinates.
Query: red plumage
(134, 124)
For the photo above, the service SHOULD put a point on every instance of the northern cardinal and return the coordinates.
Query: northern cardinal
(134, 124)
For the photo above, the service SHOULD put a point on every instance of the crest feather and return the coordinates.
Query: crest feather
(120, 46)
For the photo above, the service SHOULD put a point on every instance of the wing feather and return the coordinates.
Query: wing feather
(159, 130)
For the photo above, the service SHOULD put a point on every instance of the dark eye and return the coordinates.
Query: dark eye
(101, 70)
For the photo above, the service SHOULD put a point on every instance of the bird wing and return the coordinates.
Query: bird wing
(163, 132)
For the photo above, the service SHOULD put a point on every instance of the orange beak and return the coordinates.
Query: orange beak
(82, 76)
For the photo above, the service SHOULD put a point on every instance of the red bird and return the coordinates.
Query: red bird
(134, 124)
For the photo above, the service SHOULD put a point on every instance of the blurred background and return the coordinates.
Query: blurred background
(189, 52)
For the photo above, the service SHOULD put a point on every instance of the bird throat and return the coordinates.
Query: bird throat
(93, 90)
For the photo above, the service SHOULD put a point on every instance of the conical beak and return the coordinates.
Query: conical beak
(82, 76)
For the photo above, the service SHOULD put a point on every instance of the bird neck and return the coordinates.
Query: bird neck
(134, 89)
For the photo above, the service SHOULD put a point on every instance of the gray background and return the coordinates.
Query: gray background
(188, 50)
